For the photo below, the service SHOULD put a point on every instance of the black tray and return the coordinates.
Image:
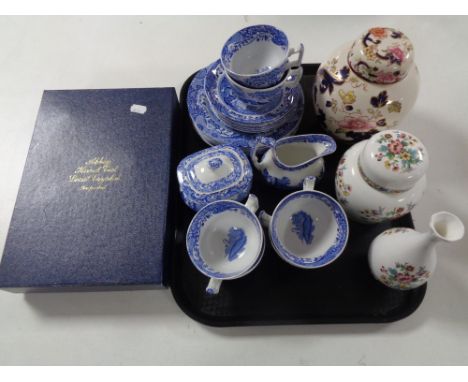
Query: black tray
(276, 292)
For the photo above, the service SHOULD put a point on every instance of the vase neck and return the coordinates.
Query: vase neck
(445, 226)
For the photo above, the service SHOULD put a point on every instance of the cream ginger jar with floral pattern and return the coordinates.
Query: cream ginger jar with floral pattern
(382, 178)
(367, 86)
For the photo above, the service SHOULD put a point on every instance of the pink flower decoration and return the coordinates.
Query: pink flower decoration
(397, 53)
(386, 78)
(395, 146)
(356, 124)
(404, 278)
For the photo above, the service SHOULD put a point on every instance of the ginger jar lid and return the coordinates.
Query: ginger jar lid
(382, 55)
(393, 160)
(219, 172)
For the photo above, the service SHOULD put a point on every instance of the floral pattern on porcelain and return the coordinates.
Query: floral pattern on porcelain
(399, 151)
(382, 213)
(382, 55)
(344, 188)
(365, 203)
(352, 108)
(403, 275)
(392, 231)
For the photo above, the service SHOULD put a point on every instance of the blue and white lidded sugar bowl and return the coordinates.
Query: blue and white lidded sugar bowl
(217, 173)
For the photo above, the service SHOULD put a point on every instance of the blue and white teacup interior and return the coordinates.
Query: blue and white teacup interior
(225, 240)
(257, 56)
(308, 229)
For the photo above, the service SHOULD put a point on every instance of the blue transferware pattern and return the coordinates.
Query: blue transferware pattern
(234, 243)
(267, 79)
(290, 180)
(303, 226)
(215, 163)
(195, 229)
(246, 114)
(266, 76)
(341, 237)
(234, 185)
(213, 131)
(244, 105)
(283, 183)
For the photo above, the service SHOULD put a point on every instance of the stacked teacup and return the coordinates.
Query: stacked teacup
(254, 87)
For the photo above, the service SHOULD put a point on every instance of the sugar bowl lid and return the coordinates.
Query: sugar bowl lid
(393, 160)
(382, 55)
(219, 172)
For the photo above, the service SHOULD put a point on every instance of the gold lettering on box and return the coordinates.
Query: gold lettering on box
(95, 175)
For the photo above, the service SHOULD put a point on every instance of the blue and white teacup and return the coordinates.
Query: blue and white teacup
(225, 240)
(258, 56)
(258, 98)
(308, 229)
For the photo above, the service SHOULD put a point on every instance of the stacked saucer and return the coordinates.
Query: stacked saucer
(252, 91)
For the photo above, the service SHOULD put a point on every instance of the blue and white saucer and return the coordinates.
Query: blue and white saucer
(214, 131)
(242, 116)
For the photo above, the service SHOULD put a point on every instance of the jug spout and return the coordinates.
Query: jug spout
(325, 145)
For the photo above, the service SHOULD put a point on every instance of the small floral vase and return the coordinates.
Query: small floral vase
(402, 258)
(382, 178)
(367, 86)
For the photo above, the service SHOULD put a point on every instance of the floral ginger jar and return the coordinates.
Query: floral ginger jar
(367, 86)
(382, 178)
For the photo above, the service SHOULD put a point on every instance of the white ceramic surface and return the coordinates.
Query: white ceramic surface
(402, 258)
(353, 108)
(258, 56)
(225, 240)
(251, 95)
(289, 160)
(394, 160)
(382, 55)
(217, 173)
(147, 327)
(308, 229)
(365, 203)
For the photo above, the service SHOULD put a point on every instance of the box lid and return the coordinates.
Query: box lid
(92, 209)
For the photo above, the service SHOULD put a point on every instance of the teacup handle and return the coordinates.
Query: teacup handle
(295, 75)
(309, 183)
(213, 286)
(260, 143)
(264, 218)
(252, 203)
(300, 52)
